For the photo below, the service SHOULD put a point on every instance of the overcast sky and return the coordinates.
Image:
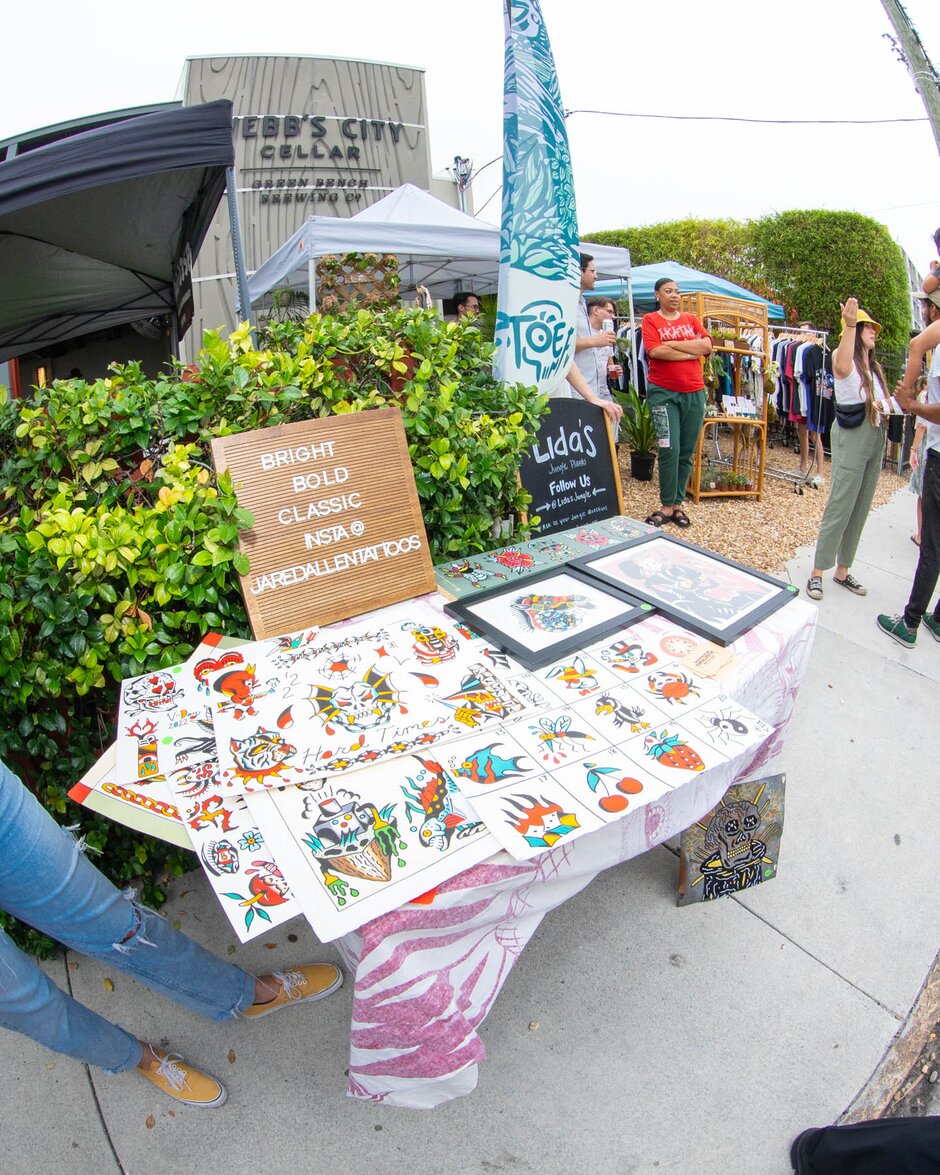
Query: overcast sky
(808, 59)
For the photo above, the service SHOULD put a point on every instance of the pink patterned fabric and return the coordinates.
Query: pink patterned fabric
(427, 975)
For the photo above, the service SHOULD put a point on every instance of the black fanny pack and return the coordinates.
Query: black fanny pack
(850, 415)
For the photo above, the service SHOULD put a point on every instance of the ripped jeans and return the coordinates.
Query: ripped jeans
(46, 882)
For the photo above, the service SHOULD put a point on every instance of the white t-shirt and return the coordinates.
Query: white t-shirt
(933, 397)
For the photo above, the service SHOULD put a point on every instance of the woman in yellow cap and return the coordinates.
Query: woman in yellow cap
(857, 440)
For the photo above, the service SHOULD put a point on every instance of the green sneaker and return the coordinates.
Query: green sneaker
(895, 627)
(932, 624)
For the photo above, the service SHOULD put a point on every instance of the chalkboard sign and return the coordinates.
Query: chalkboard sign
(338, 527)
(571, 471)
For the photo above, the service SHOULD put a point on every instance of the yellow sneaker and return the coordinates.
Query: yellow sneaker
(310, 981)
(184, 1083)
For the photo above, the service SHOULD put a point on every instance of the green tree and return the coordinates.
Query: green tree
(722, 247)
(809, 260)
(817, 258)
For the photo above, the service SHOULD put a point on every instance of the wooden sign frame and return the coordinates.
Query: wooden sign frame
(338, 527)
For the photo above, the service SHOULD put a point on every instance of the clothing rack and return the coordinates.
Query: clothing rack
(803, 335)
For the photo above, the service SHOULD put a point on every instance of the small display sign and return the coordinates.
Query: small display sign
(571, 470)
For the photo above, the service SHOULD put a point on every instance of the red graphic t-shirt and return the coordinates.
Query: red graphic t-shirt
(676, 375)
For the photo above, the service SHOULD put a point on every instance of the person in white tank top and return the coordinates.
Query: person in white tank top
(857, 440)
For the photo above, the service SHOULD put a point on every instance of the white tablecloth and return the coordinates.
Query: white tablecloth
(427, 975)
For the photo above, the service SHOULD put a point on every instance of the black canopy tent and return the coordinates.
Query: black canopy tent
(93, 227)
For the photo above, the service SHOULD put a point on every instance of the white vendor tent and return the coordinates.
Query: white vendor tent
(437, 246)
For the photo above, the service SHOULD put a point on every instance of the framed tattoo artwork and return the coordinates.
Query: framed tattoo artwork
(702, 591)
(549, 615)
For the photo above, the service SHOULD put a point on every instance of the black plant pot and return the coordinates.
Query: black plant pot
(641, 466)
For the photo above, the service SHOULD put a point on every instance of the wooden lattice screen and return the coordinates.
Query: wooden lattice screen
(356, 281)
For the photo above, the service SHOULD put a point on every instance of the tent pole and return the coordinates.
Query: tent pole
(632, 330)
(311, 284)
(242, 301)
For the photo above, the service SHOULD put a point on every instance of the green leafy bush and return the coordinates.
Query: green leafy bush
(119, 543)
(809, 260)
(816, 259)
(725, 248)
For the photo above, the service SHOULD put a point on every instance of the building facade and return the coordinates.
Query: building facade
(313, 136)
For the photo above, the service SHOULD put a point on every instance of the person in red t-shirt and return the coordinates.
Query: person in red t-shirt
(675, 344)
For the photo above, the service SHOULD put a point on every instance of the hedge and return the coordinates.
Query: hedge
(809, 260)
(119, 543)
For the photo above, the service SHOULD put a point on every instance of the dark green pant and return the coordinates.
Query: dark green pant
(678, 418)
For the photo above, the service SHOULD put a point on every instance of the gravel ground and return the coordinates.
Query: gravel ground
(762, 534)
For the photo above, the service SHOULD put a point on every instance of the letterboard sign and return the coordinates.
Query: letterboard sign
(338, 528)
(571, 471)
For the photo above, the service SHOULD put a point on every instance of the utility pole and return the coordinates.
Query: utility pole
(463, 171)
(919, 65)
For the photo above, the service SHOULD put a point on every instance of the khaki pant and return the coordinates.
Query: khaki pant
(857, 455)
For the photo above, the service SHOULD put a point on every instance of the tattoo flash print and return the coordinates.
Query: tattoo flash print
(592, 538)
(536, 817)
(555, 738)
(469, 576)
(628, 657)
(625, 716)
(338, 699)
(433, 799)
(515, 560)
(352, 855)
(671, 754)
(552, 613)
(671, 686)
(488, 765)
(250, 887)
(693, 586)
(726, 724)
(553, 549)
(465, 751)
(610, 784)
(576, 677)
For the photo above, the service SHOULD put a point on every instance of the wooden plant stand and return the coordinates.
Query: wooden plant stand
(748, 433)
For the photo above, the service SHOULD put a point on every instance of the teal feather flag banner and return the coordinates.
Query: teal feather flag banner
(539, 270)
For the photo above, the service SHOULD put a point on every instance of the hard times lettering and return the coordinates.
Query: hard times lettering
(678, 332)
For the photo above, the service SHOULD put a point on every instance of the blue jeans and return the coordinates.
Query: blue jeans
(46, 882)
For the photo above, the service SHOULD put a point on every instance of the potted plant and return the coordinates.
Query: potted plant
(636, 428)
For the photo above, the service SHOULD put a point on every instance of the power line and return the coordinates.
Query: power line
(488, 200)
(761, 121)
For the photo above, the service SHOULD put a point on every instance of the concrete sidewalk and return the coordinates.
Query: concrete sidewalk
(632, 1036)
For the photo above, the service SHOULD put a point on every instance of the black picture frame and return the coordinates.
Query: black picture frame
(693, 602)
(495, 616)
